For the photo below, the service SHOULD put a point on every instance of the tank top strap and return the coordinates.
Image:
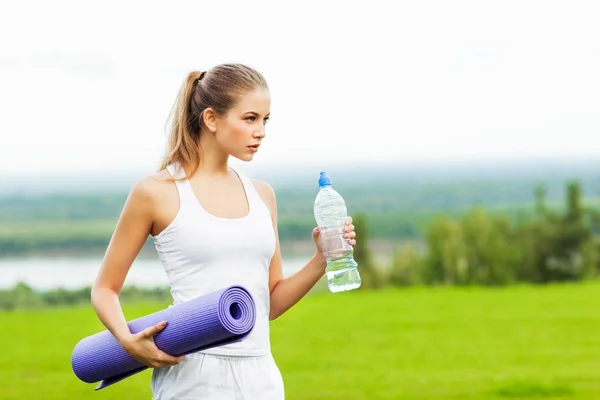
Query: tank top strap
(254, 198)
(186, 193)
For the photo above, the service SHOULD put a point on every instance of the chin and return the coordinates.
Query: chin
(244, 157)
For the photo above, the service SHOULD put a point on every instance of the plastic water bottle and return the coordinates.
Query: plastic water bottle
(331, 213)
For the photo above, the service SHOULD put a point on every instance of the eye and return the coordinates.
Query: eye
(251, 118)
(266, 119)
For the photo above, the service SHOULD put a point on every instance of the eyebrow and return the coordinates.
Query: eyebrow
(256, 114)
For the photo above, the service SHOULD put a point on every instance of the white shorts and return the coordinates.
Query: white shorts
(215, 377)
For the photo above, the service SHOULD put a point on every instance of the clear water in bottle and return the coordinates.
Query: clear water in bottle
(331, 213)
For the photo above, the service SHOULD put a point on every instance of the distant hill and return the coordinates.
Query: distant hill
(305, 176)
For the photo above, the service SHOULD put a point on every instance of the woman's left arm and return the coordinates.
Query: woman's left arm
(285, 292)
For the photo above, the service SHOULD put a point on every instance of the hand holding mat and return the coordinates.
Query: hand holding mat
(215, 319)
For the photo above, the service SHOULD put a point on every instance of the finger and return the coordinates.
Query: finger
(351, 235)
(352, 242)
(348, 220)
(316, 231)
(153, 330)
(167, 359)
(349, 228)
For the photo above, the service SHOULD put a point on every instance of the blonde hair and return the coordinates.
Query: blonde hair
(218, 89)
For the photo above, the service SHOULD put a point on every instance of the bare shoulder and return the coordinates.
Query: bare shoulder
(263, 188)
(151, 187)
(266, 192)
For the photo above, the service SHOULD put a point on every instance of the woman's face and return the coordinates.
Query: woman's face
(241, 131)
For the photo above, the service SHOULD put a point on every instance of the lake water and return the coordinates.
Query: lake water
(72, 273)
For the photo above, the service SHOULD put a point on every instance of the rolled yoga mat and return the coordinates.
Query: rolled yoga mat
(215, 319)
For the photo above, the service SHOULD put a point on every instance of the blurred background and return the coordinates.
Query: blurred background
(464, 137)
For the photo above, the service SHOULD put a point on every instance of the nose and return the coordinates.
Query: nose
(260, 133)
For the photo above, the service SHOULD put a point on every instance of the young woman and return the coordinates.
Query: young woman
(212, 227)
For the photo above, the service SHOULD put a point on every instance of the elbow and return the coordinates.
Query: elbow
(95, 291)
(99, 293)
(95, 296)
(274, 306)
(275, 309)
(274, 315)
(273, 312)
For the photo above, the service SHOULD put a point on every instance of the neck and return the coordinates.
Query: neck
(213, 159)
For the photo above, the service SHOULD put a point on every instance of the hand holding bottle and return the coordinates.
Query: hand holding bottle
(349, 235)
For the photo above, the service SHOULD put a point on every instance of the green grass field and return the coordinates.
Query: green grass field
(443, 343)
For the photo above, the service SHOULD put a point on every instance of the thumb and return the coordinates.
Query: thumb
(316, 232)
(153, 330)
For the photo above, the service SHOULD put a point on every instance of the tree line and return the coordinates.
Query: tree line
(482, 249)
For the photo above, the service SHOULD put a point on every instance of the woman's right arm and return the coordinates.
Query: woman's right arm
(132, 230)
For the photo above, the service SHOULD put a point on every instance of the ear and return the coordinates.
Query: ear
(209, 117)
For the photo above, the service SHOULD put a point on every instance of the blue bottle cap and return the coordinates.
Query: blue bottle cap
(324, 180)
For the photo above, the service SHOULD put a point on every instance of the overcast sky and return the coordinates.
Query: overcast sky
(89, 85)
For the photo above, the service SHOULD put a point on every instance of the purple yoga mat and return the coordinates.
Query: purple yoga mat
(215, 319)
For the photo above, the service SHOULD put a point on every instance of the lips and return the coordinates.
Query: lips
(254, 147)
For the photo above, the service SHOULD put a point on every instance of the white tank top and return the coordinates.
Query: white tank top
(202, 253)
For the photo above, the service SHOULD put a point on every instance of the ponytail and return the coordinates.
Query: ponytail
(183, 144)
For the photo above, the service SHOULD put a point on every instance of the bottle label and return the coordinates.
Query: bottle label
(334, 244)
